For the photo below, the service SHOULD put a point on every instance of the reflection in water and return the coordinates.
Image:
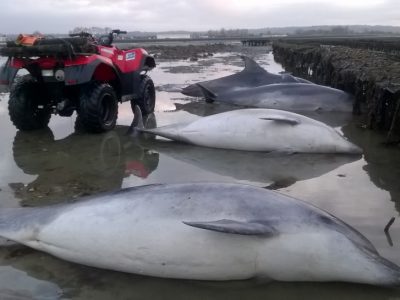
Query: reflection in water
(77, 165)
(16, 284)
(42, 274)
(273, 169)
(383, 161)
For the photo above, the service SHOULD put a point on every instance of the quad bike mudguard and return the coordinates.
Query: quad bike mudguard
(82, 69)
(119, 68)
(7, 73)
(77, 71)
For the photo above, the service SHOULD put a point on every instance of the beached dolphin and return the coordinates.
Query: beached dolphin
(255, 130)
(286, 96)
(251, 76)
(203, 231)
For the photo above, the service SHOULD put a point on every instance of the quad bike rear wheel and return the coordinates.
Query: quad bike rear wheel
(98, 108)
(27, 106)
(146, 99)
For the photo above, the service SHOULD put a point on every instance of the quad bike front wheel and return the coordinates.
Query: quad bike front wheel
(27, 105)
(146, 99)
(98, 108)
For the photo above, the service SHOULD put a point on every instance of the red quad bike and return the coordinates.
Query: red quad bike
(80, 74)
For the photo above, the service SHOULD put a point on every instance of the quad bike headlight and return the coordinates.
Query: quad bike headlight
(59, 75)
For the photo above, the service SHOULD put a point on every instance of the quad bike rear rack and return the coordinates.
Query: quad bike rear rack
(59, 47)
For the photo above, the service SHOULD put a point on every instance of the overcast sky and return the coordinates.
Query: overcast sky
(160, 15)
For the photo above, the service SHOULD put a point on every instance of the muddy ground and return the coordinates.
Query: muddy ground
(191, 52)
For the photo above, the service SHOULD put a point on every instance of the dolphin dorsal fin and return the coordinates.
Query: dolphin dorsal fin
(209, 95)
(282, 120)
(250, 65)
(236, 227)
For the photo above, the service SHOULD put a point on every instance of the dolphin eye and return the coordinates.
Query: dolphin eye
(326, 220)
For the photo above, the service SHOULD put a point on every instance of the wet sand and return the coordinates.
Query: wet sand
(60, 164)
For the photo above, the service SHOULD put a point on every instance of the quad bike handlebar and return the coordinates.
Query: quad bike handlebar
(104, 40)
(81, 34)
(117, 31)
(107, 40)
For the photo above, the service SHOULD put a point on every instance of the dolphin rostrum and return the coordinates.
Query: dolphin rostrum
(255, 130)
(203, 231)
(251, 76)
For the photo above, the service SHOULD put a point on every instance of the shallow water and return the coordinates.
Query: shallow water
(59, 164)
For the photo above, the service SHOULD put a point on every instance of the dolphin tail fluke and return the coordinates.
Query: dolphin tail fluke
(210, 96)
(137, 123)
(138, 118)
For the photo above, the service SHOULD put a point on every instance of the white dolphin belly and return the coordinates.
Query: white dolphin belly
(153, 247)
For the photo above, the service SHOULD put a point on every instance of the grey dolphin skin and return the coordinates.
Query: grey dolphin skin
(202, 231)
(252, 75)
(285, 96)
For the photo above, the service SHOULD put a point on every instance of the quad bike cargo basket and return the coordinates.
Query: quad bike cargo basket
(60, 47)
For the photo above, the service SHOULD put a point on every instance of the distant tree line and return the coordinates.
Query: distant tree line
(227, 33)
(92, 30)
(336, 30)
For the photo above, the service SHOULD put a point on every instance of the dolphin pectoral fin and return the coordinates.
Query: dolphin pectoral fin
(236, 227)
(210, 96)
(282, 120)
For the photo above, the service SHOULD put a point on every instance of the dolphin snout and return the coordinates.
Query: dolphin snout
(358, 150)
(349, 147)
(355, 149)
